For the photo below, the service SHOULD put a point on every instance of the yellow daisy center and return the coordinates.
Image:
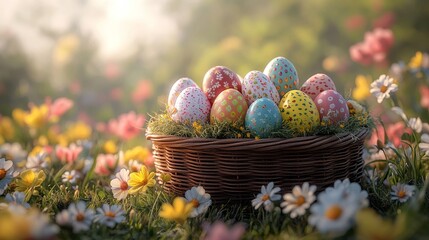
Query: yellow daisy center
(2, 173)
(383, 88)
(300, 200)
(80, 217)
(195, 203)
(70, 177)
(334, 212)
(265, 197)
(110, 214)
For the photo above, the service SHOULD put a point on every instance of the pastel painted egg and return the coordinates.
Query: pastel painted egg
(299, 111)
(355, 108)
(191, 105)
(332, 107)
(283, 74)
(257, 85)
(316, 84)
(176, 89)
(218, 79)
(263, 117)
(229, 106)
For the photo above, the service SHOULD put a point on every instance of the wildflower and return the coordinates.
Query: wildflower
(137, 153)
(127, 126)
(7, 130)
(110, 215)
(179, 211)
(17, 198)
(416, 124)
(65, 48)
(142, 91)
(6, 174)
(68, 155)
(80, 217)
(350, 191)
(119, 185)
(361, 91)
(424, 96)
(70, 176)
(420, 60)
(424, 144)
(77, 132)
(297, 202)
(197, 126)
(37, 117)
(200, 200)
(333, 213)
(266, 197)
(402, 192)
(29, 180)
(140, 181)
(14, 152)
(165, 177)
(37, 161)
(59, 107)
(110, 147)
(220, 230)
(19, 116)
(382, 87)
(105, 164)
(134, 165)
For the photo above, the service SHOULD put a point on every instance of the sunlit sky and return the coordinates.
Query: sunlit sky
(117, 25)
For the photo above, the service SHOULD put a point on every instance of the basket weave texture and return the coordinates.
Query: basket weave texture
(233, 170)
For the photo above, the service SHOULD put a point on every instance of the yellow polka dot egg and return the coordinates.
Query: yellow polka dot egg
(299, 112)
(229, 106)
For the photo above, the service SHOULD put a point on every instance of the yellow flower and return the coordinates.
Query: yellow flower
(416, 61)
(7, 131)
(361, 92)
(37, 117)
(165, 177)
(137, 153)
(43, 140)
(19, 116)
(110, 147)
(178, 212)
(65, 48)
(140, 181)
(197, 126)
(78, 131)
(372, 226)
(28, 180)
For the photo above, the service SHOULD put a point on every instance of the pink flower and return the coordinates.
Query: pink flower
(424, 94)
(374, 48)
(394, 133)
(127, 126)
(105, 164)
(142, 92)
(60, 106)
(220, 231)
(68, 155)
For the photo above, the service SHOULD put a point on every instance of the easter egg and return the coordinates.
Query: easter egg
(257, 85)
(299, 111)
(218, 79)
(263, 117)
(316, 84)
(229, 106)
(191, 106)
(332, 107)
(355, 108)
(176, 89)
(283, 74)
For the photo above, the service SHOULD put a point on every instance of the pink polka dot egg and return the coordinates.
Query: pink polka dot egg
(332, 107)
(316, 84)
(191, 106)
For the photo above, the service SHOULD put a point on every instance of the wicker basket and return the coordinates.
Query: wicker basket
(234, 169)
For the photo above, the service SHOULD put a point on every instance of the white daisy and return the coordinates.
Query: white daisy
(402, 192)
(382, 87)
(199, 199)
(110, 215)
(70, 176)
(80, 216)
(333, 213)
(63, 218)
(6, 174)
(266, 197)
(424, 144)
(297, 202)
(119, 185)
(17, 198)
(416, 124)
(14, 152)
(351, 191)
(37, 162)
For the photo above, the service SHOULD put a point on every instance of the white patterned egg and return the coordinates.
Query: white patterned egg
(257, 85)
(332, 107)
(191, 106)
(176, 89)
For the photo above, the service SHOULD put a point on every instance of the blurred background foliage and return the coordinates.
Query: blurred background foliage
(243, 35)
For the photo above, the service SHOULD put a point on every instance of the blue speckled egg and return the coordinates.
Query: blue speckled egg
(283, 74)
(263, 117)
